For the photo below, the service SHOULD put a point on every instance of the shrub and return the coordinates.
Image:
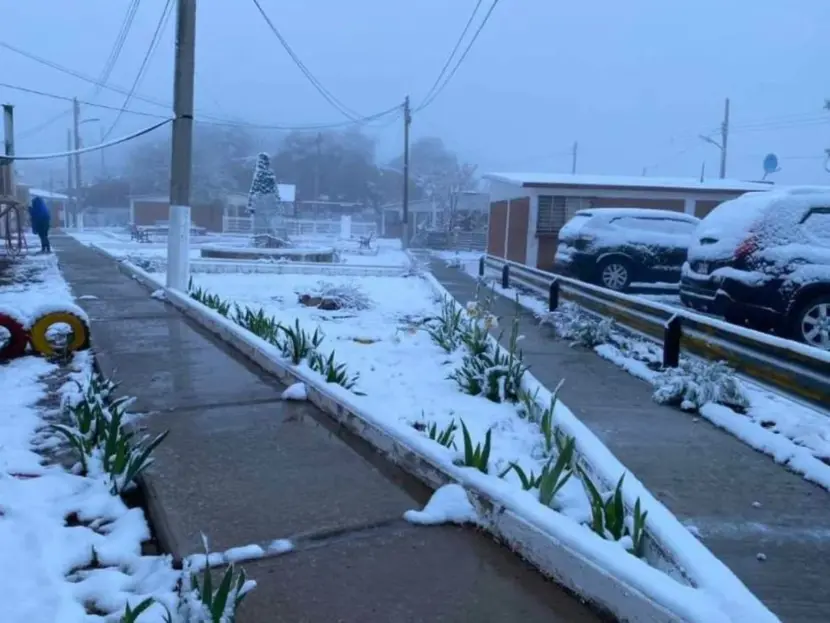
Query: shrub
(213, 301)
(695, 383)
(447, 328)
(334, 372)
(345, 296)
(265, 327)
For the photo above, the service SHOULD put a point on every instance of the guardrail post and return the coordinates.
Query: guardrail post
(671, 342)
(505, 276)
(553, 295)
(481, 266)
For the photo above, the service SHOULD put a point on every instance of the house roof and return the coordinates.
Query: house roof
(46, 194)
(553, 180)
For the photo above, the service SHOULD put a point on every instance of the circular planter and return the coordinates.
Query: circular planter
(15, 346)
(80, 332)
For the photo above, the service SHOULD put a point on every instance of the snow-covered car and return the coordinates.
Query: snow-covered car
(614, 247)
(763, 260)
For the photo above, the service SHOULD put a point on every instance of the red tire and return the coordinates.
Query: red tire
(18, 337)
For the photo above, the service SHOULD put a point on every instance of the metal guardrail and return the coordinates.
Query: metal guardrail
(798, 370)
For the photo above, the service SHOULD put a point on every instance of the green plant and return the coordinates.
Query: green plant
(299, 344)
(445, 436)
(555, 475)
(213, 605)
(528, 481)
(477, 456)
(265, 327)
(494, 374)
(608, 518)
(214, 301)
(446, 329)
(131, 616)
(99, 436)
(549, 430)
(334, 372)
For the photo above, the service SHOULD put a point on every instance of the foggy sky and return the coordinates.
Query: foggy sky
(634, 82)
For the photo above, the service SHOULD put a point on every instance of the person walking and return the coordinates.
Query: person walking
(40, 217)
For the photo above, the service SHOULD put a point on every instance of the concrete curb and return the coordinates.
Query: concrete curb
(669, 544)
(622, 585)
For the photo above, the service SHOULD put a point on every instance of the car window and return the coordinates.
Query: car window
(574, 225)
(817, 225)
(660, 225)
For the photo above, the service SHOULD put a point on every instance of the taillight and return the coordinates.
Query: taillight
(746, 248)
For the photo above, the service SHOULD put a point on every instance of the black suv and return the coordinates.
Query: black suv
(763, 260)
(614, 247)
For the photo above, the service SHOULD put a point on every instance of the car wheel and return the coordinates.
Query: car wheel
(811, 323)
(614, 274)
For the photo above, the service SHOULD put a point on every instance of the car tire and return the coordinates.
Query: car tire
(614, 274)
(810, 323)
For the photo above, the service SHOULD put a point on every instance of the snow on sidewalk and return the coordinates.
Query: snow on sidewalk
(69, 549)
(793, 434)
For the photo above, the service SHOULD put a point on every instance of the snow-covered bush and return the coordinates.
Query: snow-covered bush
(344, 296)
(447, 328)
(695, 383)
(569, 322)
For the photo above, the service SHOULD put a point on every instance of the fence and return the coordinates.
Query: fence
(299, 227)
(796, 369)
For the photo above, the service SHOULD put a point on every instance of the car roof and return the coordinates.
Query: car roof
(638, 212)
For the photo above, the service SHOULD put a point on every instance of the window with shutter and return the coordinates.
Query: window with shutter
(551, 214)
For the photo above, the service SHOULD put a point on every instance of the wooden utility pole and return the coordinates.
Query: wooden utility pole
(8, 150)
(724, 140)
(76, 122)
(574, 152)
(407, 119)
(178, 239)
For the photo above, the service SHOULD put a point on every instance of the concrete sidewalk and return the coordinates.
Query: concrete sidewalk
(706, 477)
(244, 467)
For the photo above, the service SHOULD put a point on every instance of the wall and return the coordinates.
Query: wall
(497, 227)
(518, 216)
(147, 213)
(702, 208)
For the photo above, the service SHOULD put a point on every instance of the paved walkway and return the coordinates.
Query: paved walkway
(708, 478)
(245, 467)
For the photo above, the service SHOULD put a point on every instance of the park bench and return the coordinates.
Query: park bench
(365, 242)
(139, 234)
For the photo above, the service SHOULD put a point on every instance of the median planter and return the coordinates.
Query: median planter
(324, 255)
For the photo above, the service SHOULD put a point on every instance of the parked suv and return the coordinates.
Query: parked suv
(614, 247)
(763, 259)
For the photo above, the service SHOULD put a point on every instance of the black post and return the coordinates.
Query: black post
(671, 342)
(553, 295)
(481, 266)
(505, 276)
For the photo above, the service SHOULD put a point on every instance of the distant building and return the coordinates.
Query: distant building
(527, 210)
(429, 213)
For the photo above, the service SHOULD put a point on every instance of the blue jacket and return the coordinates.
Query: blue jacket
(39, 214)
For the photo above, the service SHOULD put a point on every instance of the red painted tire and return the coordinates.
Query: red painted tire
(18, 337)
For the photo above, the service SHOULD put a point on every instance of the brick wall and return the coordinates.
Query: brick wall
(517, 232)
(496, 229)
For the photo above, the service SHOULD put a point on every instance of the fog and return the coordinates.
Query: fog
(635, 83)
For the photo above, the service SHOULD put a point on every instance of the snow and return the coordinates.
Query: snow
(287, 251)
(52, 522)
(637, 213)
(159, 294)
(564, 179)
(297, 391)
(448, 504)
(280, 546)
(400, 360)
(246, 552)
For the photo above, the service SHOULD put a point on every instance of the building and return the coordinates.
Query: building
(429, 213)
(527, 210)
(150, 210)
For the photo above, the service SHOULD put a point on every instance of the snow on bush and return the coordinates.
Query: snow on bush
(572, 323)
(345, 295)
(696, 383)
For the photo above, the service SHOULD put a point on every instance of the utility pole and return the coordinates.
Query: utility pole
(8, 150)
(76, 122)
(407, 119)
(724, 134)
(68, 218)
(103, 160)
(318, 144)
(178, 237)
(574, 151)
(724, 139)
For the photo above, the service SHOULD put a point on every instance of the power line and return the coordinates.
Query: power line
(160, 26)
(454, 50)
(460, 60)
(118, 45)
(327, 95)
(85, 103)
(85, 150)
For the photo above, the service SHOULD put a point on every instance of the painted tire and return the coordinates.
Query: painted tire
(18, 337)
(80, 331)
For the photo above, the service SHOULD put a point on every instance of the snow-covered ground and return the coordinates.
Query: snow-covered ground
(383, 252)
(794, 434)
(54, 524)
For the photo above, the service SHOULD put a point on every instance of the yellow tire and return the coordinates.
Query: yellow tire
(41, 326)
